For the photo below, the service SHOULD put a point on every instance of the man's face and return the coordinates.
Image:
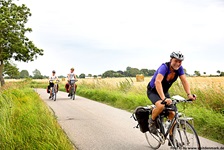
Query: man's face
(175, 63)
(72, 70)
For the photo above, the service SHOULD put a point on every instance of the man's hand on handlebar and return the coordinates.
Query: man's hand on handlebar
(192, 96)
(168, 101)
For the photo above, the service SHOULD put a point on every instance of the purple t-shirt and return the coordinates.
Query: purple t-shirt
(163, 69)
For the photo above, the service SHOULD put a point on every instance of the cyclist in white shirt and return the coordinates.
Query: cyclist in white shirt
(71, 77)
(52, 78)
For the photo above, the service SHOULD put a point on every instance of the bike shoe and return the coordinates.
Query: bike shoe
(69, 95)
(152, 126)
(49, 97)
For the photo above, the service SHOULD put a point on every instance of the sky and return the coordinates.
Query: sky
(94, 36)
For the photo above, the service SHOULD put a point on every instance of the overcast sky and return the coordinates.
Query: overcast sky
(94, 36)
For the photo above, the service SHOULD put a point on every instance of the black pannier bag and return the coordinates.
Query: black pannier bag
(141, 114)
(48, 89)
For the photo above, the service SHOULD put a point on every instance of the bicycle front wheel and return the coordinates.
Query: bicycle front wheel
(55, 96)
(185, 136)
(72, 93)
(73, 97)
(153, 140)
(55, 93)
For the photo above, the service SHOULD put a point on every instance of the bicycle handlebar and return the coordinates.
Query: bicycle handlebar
(175, 100)
(73, 80)
(54, 81)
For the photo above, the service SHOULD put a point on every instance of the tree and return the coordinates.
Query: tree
(89, 75)
(13, 42)
(82, 75)
(131, 72)
(37, 74)
(11, 70)
(109, 73)
(145, 72)
(221, 73)
(61, 76)
(151, 72)
(197, 73)
(120, 72)
(24, 74)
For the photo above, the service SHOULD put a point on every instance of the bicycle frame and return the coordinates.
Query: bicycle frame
(72, 89)
(160, 120)
(54, 89)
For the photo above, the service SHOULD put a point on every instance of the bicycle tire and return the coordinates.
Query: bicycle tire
(73, 96)
(153, 140)
(55, 92)
(185, 136)
(73, 93)
(55, 96)
(52, 93)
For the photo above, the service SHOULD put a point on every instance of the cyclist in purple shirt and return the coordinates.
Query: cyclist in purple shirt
(157, 89)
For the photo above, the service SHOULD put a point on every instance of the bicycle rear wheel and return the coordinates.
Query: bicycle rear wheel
(153, 140)
(185, 136)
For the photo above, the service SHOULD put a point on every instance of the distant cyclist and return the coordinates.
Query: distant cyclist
(163, 78)
(52, 78)
(71, 77)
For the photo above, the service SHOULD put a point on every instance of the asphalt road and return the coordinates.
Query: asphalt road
(92, 125)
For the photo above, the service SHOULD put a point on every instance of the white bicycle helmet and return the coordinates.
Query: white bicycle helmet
(178, 55)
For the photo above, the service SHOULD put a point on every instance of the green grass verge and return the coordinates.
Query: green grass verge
(27, 123)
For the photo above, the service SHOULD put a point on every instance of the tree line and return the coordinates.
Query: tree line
(129, 72)
(12, 72)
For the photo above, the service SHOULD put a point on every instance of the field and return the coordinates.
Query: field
(127, 94)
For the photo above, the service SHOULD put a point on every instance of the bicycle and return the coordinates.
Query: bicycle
(72, 90)
(54, 89)
(183, 134)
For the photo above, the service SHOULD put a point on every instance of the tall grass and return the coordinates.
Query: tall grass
(26, 122)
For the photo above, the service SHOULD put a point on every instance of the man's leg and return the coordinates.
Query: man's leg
(170, 117)
(156, 111)
(50, 92)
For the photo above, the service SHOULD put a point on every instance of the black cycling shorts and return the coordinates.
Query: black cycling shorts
(154, 96)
